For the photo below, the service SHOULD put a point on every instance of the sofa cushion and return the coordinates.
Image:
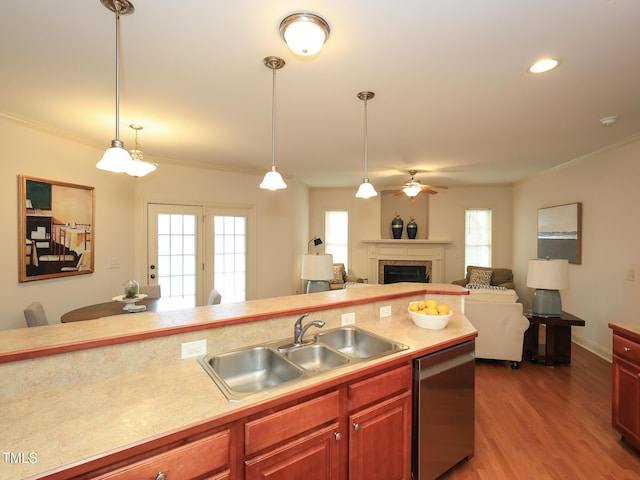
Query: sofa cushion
(338, 273)
(480, 277)
(492, 295)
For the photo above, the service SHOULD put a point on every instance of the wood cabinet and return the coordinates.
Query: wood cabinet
(380, 426)
(207, 458)
(625, 405)
(313, 440)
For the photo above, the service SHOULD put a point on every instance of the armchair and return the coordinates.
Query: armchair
(340, 277)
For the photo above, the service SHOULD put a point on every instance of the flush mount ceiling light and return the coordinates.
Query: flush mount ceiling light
(304, 33)
(116, 158)
(608, 121)
(138, 167)
(543, 65)
(273, 180)
(366, 190)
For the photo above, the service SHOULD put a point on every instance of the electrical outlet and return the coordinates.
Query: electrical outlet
(348, 318)
(631, 274)
(197, 348)
(385, 311)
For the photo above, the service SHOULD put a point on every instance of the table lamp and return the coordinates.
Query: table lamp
(318, 270)
(547, 276)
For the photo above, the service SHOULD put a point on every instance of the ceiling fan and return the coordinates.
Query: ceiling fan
(413, 187)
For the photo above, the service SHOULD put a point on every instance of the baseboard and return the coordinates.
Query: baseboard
(591, 346)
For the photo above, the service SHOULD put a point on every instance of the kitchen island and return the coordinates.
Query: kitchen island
(94, 396)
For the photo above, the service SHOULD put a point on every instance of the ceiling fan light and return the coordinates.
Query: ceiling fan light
(304, 33)
(273, 180)
(412, 190)
(366, 190)
(543, 65)
(115, 159)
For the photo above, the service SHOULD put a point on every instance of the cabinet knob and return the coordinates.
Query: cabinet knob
(356, 426)
(337, 435)
(161, 476)
(627, 349)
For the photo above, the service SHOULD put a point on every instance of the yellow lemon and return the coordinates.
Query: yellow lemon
(413, 307)
(443, 309)
(431, 303)
(431, 311)
(421, 304)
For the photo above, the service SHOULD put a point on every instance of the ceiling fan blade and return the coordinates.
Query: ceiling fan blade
(429, 191)
(435, 186)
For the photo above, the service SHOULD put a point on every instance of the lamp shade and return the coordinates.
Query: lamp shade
(366, 190)
(548, 274)
(305, 33)
(317, 267)
(412, 189)
(273, 180)
(116, 159)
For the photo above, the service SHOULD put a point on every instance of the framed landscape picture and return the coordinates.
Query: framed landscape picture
(55, 229)
(560, 232)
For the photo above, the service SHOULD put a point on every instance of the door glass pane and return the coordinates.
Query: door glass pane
(176, 256)
(230, 246)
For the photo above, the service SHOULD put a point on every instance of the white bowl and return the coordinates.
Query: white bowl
(432, 322)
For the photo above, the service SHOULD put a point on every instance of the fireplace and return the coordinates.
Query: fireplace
(428, 254)
(405, 273)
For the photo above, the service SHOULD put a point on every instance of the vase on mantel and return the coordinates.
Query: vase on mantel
(412, 229)
(396, 227)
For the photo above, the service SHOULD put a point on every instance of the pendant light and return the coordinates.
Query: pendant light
(116, 158)
(366, 190)
(273, 180)
(304, 33)
(138, 167)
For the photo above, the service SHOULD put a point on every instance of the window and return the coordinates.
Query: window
(477, 237)
(336, 235)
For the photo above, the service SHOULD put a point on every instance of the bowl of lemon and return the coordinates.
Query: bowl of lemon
(430, 314)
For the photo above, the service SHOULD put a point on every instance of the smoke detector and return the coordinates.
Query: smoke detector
(608, 121)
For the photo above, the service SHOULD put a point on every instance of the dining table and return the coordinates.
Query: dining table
(114, 307)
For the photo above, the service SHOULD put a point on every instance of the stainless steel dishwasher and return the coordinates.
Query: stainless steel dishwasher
(443, 410)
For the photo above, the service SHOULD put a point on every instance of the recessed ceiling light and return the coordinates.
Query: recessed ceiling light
(543, 65)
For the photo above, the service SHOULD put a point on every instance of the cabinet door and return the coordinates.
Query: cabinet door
(380, 441)
(312, 457)
(626, 400)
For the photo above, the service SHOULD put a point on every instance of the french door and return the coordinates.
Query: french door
(193, 249)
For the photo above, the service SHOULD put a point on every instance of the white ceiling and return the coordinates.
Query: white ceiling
(453, 99)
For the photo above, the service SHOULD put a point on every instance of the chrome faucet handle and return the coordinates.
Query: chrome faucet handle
(297, 328)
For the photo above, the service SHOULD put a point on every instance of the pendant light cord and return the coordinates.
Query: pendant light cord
(273, 118)
(117, 8)
(366, 142)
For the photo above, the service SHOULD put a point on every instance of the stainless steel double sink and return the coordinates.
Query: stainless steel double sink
(241, 372)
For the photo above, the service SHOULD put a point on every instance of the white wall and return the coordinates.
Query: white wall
(34, 152)
(606, 184)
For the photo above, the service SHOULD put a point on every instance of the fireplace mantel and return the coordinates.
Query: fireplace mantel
(405, 249)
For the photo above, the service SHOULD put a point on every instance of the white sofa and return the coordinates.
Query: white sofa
(500, 324)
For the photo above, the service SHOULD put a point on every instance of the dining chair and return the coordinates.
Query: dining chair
(35, 316)
(151, 291)
(214, 297)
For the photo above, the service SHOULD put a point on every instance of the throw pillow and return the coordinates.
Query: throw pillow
(480, 277)
(338, 273)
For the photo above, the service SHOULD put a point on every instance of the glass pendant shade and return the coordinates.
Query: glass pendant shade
(273, 180)
(304, 33)
(116, 159)
(136, 168)
(412, 190)
(366, 190)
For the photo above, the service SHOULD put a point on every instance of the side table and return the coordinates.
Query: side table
(557, 346)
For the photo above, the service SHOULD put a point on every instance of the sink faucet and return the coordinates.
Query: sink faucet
(299, 330)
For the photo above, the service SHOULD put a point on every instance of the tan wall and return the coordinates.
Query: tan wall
(29, 151)
(446, 222)
(606, 184)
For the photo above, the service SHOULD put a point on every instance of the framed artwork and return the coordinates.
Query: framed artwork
(560, 232)
(55, 229)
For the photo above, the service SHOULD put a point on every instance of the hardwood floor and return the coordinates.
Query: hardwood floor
(546, 423)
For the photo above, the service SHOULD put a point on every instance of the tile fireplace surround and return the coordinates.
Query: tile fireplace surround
(405, 252)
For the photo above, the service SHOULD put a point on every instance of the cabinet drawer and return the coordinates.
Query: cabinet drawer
(192, 460)
(625, 348)
(289, 422)
(378, 387)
